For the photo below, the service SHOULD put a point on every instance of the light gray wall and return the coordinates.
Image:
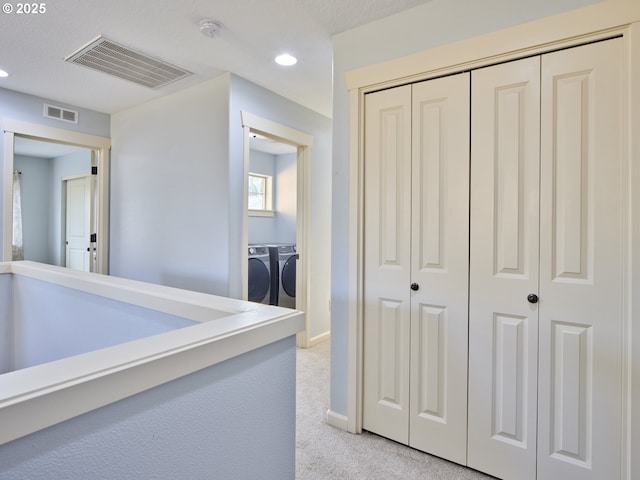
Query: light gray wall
(254, 99)
(234, 420)
(35, 183)
(286, 197)
(170, 194)
(28, 108)
(435, 23)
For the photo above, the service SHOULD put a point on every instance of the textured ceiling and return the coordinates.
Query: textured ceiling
(255, 31)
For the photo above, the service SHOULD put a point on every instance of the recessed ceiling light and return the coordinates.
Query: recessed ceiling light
(286, 60)
(3, 74)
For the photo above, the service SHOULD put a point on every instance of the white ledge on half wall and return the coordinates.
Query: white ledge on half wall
(34, 397)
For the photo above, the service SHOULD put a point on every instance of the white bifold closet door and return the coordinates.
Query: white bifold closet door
(416, 174)
(581, 268)
(567, 346)
(503, 325)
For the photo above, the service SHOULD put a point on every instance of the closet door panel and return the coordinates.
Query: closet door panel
(503, 325)
(387, 227)
(581, 263)
(440, 256)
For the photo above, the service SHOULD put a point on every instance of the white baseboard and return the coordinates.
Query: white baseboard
(319, 339)
(337, 420)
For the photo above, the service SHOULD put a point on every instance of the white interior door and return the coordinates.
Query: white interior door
(387, 253)
(503, 325)
(579, 429)
(78, 223)
(440, 267)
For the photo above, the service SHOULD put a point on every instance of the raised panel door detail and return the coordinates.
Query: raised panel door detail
(386, 394)
(391, 187)
(510, 408)
(572, 239)
(432, 362)
(389, 353)
(509, 171)
(572, 372)
(433, 179)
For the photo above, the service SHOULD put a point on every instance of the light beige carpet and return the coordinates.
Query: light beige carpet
(325, 453)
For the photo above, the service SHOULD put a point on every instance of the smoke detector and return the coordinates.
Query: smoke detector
(211, 28)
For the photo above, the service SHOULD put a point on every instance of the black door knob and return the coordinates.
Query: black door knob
(415, 287)
(532, 298)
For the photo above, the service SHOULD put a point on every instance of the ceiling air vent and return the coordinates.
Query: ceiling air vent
(59, 113)
(109, 57)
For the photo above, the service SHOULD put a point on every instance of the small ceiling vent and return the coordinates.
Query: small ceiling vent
(109, 57)
(59, 113)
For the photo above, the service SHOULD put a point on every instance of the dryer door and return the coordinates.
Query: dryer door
(289, 276)
(259, 280)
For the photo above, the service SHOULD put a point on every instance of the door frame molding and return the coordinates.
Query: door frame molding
(303, 141)
(588, 24)
(102, 145)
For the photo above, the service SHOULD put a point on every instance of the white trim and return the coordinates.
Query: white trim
(59, 135)
(101, 145)
(356, 255)
(631, 440)
(304, 238)
(75, 176)
(323, 337)
(303, 141)
(244, 260)
(596, 22)
(40, 396)
(261, 213)
(336, 420)
(275, 130)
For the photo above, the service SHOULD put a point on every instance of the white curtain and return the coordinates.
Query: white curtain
(18, 248)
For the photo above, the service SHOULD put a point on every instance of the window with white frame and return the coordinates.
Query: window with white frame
(260, 194)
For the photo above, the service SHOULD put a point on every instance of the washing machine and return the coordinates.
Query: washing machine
(287, 257)
(260, 278)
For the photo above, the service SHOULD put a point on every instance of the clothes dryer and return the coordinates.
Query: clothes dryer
(260, 278)
(287, 257)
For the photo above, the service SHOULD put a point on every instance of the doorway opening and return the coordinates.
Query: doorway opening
(48, 158)
(51, 218)
(284, 234)
(272, 186)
